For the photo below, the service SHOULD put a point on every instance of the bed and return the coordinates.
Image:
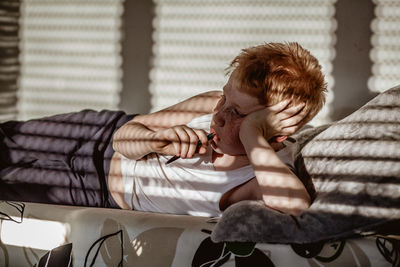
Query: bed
(50, 235)
(352, 165)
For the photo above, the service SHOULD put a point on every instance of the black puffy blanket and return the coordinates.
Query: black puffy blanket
(62, 159)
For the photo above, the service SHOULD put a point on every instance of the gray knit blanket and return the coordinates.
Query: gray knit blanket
(352, 169)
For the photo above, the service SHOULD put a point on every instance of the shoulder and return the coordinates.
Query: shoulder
(249, 190)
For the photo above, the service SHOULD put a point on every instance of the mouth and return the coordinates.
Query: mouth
(215, 137)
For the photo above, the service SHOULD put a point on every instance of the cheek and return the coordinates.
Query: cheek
(232, 132)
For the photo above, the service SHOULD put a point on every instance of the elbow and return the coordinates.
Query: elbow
(299, 207)
(115, 146)
(291, 206)
(115, 143)
(116, 139)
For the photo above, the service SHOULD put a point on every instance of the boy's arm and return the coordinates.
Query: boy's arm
(278, 186)
(165, 131)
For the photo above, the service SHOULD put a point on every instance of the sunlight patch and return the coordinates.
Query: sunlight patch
(34, 233)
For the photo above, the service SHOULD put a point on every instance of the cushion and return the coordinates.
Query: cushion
(354, 166)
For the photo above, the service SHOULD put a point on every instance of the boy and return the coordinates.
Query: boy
(273, 90)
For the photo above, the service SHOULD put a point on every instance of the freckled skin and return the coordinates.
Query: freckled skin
(226, 121)
(228, 134)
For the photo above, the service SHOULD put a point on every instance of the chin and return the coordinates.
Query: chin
(228, 151)
(216, 148)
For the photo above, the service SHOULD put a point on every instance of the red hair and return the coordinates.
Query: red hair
(276, 71)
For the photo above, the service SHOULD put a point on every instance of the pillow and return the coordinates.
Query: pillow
(354, 165)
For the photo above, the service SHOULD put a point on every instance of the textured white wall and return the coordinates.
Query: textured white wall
(194, 41)
(70, 56)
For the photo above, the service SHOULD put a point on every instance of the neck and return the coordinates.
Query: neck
(225, 162)
(228, 162)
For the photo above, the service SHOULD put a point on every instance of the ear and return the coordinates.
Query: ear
(280, 138)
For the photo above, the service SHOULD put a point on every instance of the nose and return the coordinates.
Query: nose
(219, 118)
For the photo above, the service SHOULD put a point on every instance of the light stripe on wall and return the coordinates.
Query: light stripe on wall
(385, 53)
(194, 41)
(70, 56)
(9, 65)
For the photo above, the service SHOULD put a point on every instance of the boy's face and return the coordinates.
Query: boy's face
(228, 115)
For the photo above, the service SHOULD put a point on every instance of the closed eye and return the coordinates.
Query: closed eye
(238, 113)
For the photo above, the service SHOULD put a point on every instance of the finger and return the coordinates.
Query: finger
(291, 111)
(203, 139)
(174, 139)
(279, 106)
(202, 136)
(184, 141)
(194, 139)
(202, 150)
(295, 119)
(289, 130)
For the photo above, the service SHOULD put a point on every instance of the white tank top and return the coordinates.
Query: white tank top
(185, 186)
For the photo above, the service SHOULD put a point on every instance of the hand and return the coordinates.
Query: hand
(179, 140)
(276, 120)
